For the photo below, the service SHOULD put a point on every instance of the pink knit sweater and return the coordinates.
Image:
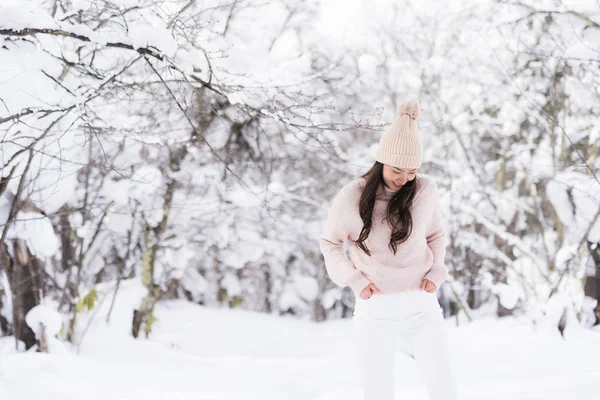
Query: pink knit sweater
(420, 256)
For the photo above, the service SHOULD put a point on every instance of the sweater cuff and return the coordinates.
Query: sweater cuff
(437, 275)
(358, 284)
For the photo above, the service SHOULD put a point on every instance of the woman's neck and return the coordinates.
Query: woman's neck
(389, 190)
(385, 193)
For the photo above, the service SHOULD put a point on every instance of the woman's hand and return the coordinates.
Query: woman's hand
(428, 286)
(369, 291)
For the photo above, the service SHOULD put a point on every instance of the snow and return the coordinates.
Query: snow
(330, 297)
(307, 287)
(367, 64)
(30, 227)
(231, 283)
(54, 181)
(16, 15)
(81, 5)
(6, 298)
(46, 315)
(242, 253)
(205, 353)
(290, 298)
(5, 205)
(118, 191)
(560, 199)
(564, 254)
(155, 36)
(195, 351)
(243, 198)
(236, 98)
(148, 179)
(594, 235)
(178, 259)
(193, 282)
(578, 213)
(507, 294)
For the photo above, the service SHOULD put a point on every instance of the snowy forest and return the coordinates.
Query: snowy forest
(185, 150)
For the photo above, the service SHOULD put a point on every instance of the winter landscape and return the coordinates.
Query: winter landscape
(167, 166)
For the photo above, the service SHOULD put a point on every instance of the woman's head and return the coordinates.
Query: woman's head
(399, 154)
(395, 178)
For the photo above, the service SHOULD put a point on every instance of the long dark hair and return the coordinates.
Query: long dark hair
(398, 212)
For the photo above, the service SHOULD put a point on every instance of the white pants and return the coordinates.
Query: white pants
(414, 322)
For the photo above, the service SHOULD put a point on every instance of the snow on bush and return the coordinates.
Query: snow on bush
(43, 314)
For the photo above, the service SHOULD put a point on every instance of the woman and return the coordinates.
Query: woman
(391, 219)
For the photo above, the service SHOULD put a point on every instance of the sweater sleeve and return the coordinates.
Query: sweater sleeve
(436, 242)
(335, 231)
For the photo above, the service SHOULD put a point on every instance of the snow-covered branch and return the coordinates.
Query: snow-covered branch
(148, 50)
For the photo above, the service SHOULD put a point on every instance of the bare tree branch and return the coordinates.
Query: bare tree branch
(151, 51)
(27, 111)
(534, 11)
(188, 5)
(198, 134)
(230, 16)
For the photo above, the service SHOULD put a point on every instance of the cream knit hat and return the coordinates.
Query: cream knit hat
(400, 146)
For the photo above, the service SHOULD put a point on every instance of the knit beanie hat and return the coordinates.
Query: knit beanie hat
(400, 146)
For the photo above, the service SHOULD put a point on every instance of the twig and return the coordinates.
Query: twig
(150, 50)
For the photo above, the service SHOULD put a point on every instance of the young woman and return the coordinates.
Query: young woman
(391, 219)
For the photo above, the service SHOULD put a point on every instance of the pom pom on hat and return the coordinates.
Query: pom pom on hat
(411, 109)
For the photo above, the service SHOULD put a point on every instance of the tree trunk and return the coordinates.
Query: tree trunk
(595, 253)
(25, 276)
(5, 328)
(43, 343)
(152, 238)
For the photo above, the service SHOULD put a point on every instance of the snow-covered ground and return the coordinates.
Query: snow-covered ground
(201, 353)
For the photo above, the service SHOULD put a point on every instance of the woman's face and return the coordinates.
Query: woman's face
(395, 178)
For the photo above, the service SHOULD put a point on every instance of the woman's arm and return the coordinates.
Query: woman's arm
(335, 231)
(436, 242)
